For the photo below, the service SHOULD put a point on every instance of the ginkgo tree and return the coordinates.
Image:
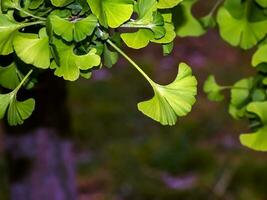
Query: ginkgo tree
(73, 38)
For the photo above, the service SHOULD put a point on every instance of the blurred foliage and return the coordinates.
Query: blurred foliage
(123, 155)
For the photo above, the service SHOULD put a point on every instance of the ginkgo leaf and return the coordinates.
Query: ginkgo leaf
(112, 13)
(17, 111)
(9, 77)
(260, 56)
(6, 4)
(110, 57)
(240, 31)
(8, 29)
(33, 48)
(257, 140)
(164, 4)
(186, 24)
(173, 100)
(61, 3)
(70, 64)
(212, 89)
(76, 30)
(149, 22)
(139, 39)
(240, 97)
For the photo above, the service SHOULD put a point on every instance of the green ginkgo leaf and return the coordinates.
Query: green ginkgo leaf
(70, 64)
(212, 89)
(17, 111)
(173, 100)
(257, 140)
(76, 30)
(149, 22)
(164, 4)
(240, 97)
(110, 57)
(61, 3)
(186, 24)
(9, 76)
(7, 4)
(8, 29)
(112, 13)
(260, 56)
(139, 39)
(240, 31)
(33, 48)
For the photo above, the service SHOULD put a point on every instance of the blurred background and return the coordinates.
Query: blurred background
(122, 155)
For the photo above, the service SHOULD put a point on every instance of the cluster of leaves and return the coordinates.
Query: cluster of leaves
(243, 24)
(73, 38)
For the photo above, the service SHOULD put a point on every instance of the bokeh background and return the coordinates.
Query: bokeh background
(122, 155)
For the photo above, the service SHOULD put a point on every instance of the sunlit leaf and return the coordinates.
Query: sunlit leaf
(241, 31)
(61, 3)
(258, 139)
(173, 100)
(260, 56)
(186, 24)
(70, 64)
(163, 4)
(8, 29)
(76, 30)
(112, 13)
(33, 48)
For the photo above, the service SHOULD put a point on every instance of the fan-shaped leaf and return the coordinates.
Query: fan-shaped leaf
(260, 56)
(70, 64)
(257, 140)
(33, 49)
(76, 30)
(240, 32)
(112, 13)
(8, 29)
(61, 3)
(173, 100)
(9, 77)
(212, 89)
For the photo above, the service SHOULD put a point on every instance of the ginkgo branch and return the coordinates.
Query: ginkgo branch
(131, 61)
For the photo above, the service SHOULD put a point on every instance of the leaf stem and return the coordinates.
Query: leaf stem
(23, 81)
(232, 87)
(29, 14)
(217, 4)
(32, 23)
(131, 62)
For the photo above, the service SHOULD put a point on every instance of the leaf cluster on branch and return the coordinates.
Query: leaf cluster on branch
(73, 38)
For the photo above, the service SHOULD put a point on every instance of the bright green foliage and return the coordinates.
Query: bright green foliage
(61, 3)
(240, 96)
(260, 56)
(238, 26)
(8, 29)
(150, 22)
(76, 30)
(70, 64)
(258, 139)
(213, 89)
(112, 13)
(173, 100)
(163, 4)
(186, 23)
(9, 76)
(33, 48)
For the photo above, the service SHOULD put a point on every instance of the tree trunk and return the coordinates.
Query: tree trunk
(40, 153)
